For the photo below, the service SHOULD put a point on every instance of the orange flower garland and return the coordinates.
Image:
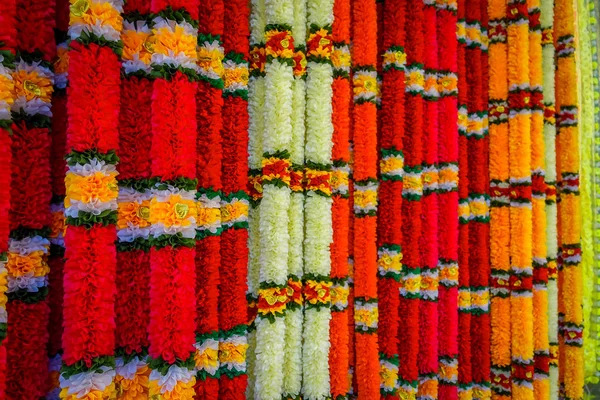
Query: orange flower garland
(365, 198)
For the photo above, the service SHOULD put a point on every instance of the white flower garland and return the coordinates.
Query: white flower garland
(547, 21)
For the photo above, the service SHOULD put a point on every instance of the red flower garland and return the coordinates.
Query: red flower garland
(464, 316)
(411, 204)
(208, 167)
(341, 101)
(390, 191)
(233, 308)
(478, 150)
(448, 202)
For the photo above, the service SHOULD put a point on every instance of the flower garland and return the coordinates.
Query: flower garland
(500, 202)
(8, 36)
(91, 200)
(448, 200)
(275, 203)
(173, 213)
(31, 192)
(428, 307)
(479, 200)
(256, 130)
(294, 317)
(57, 160)
(133, 228)
(412, 193)
(519, 123)
(391, 168)
(209, 103)
(366, 314)
(233, 316)
(465, 382)
(318, 204)
(538, 167)
(569, 279)
(548, 67)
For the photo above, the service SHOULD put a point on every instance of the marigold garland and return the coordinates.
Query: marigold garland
(571, 376)
(233, 315)
(31, 192)
(209, 103)
(520, 101)
(448, 200)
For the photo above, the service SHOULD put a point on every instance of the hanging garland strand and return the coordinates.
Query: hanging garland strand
(58, 165)
(132, 306)
(365, 198)
(569, 213)
(173, 211)
(31, 194)
(8, 35)
(538, 167)
(391, 168)
(342, 100)
(464, 213)
(294, 317)
(448, 200)
(428, 307)
(519, 100)
(256, 130)
(90, 266)
(209, 103)
(500, 202)
(548, 63)
(479, 201)
(233, 317)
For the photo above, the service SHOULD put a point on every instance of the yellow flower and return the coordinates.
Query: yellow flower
(364, 84)
(133, 213)
(86, 189)
(208, 359)
(464, 299)
(7, 89)
(473, 34)
(234, 211)
(176, 41)
(448, 83)
(340, 58)
(412, 284)
(181, 391)
(87, 13)
(388, 376)
(430, 177)
(107, 394)
(415, 78)
(366, 317)
(61, 64)
(208, 216)
(236, 75)
(211, 60)
(413, 182)
(18, 265)
(391, 164)
(390, 262)
(32, 85)
(340, 294)
(365, 198)
(448, 175)
(174, 212)
(479, 208)
(139, 43)
(232, 353)
(58, 224)
(133, 389)
(394, 57)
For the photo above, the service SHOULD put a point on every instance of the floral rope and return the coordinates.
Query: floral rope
(209, 103)
(366, 314)
(133, 226)
(256, 127)
(464, 213)
(479, 201)
(569, 230)
(500, 202)
(8, 36)
(233, 317)
(520, 102)
(448, 200)
(391, 169)
(173, 212)
(428, 307)
(91, 200)
(31, 193)
(340, 290)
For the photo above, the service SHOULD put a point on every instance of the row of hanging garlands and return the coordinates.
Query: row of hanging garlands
(290, 199)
